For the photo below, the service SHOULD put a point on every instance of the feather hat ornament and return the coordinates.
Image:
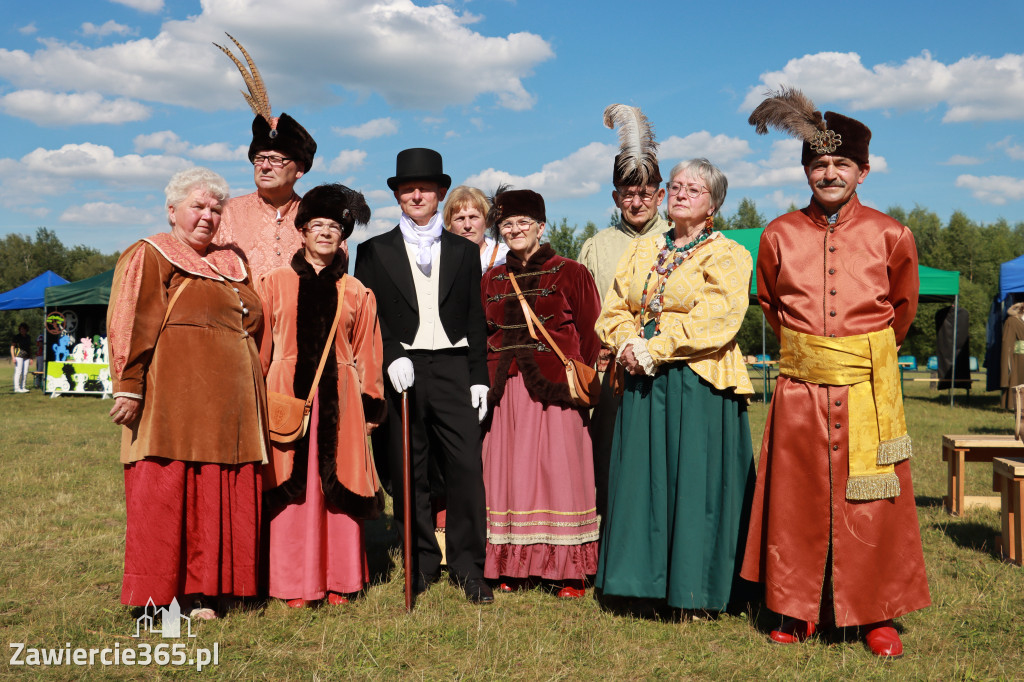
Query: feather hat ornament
(270, 133)
(792, 112)
(637, 160)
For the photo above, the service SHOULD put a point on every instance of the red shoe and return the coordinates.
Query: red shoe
(336, 599)
(572, 592)
(506, 587)
(883, 640)
(296, 603)
(792, 630)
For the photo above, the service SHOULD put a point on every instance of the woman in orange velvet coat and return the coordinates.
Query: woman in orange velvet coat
(320, 487)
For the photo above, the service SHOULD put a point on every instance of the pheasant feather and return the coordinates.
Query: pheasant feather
(789, 111)
(637, 146)
(257, 96)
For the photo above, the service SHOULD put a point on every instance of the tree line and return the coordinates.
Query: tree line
(23, 257)
(974, 249)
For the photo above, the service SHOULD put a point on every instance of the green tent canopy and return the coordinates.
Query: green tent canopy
(936, 285)
(94, 290)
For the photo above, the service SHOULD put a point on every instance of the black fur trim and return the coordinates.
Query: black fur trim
(528, 275)
(317, 303)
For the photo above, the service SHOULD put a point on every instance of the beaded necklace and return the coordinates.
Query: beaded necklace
(669, 258)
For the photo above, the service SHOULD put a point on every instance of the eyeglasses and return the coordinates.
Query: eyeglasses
(316, 228)
(522, 225)
(628, 196)
(274, 161)
(691, 191)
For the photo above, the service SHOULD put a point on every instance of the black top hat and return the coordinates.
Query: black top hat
(419, 164)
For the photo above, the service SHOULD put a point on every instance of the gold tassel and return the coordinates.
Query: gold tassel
(878, 487)
(895, 450)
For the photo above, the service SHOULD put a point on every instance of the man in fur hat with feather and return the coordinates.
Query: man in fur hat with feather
(637, 194)
(262, 225)
(834, 536)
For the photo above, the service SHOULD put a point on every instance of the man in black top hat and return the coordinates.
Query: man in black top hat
(427, 284)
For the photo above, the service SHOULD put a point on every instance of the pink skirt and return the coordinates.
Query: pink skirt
(539, 480)
(315, 549)
(192, 528)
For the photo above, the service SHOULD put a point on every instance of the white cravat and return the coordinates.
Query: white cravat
(423, 237)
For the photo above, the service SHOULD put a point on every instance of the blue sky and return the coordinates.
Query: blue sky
(101, 101)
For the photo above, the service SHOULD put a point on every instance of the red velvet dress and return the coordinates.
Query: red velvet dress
(856, 276)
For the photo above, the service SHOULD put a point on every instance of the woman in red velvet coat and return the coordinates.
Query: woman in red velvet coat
(538, 463)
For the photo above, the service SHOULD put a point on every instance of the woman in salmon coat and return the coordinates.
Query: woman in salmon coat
(320, 487)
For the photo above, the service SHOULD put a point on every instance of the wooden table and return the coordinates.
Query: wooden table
(957, 450)
(1008, 481)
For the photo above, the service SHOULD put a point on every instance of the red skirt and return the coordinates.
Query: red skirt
(192, 528)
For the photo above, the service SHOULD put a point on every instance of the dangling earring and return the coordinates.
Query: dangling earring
(709, 222)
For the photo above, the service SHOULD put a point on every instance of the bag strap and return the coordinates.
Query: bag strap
(494, 257)
(531, 319)
(327, 346)
(174, 297)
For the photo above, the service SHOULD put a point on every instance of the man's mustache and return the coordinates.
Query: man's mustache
(837, 182)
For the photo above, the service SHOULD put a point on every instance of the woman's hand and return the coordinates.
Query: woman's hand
(629, 362)
(604, 356)
(125, 410)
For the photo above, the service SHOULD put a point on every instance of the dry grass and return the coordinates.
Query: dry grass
(61, 536)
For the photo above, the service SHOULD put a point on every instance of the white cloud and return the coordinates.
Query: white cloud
(1014, 151)
(108, 27)
(993, 189)
(378, 127)
(961, 160)
(151, 6)
(389, 214)
(720, 149)
(782, 201)
(319, 43)
(168, 141)
(28, 29)
(94, 162)
(61, 109)
(347, 160)
(975, 88)
(101, 213)
(580, 174)
(378, 196)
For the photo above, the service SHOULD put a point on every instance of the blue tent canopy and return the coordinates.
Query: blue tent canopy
(1011, 278)
(31, 293)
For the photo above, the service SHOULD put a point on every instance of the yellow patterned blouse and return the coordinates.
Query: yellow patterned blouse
(704, 302)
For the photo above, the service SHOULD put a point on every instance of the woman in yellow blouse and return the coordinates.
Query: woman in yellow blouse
(682, 471)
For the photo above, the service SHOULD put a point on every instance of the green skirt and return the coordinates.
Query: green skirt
(681, 481)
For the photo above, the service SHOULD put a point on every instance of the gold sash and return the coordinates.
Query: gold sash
(878, 430)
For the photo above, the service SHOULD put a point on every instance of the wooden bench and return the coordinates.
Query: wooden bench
(957, 450)
(1008, 481)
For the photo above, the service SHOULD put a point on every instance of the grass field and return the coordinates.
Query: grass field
(61, 544)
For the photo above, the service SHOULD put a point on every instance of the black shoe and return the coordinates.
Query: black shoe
(421, 583)
(478, 591)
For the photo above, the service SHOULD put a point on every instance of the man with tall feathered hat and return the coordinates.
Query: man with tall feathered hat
(262, 225)
(834, 535)
(637, 194)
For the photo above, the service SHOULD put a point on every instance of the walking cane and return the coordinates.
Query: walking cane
(406, 501)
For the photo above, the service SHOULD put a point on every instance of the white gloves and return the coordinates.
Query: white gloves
(478, 395)
(401, 374)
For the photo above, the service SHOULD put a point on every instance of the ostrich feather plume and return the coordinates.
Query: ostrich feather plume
(637, 146)
(257, 96)
(789, 111)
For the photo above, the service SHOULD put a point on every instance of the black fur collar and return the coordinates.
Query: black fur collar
(333, 272)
